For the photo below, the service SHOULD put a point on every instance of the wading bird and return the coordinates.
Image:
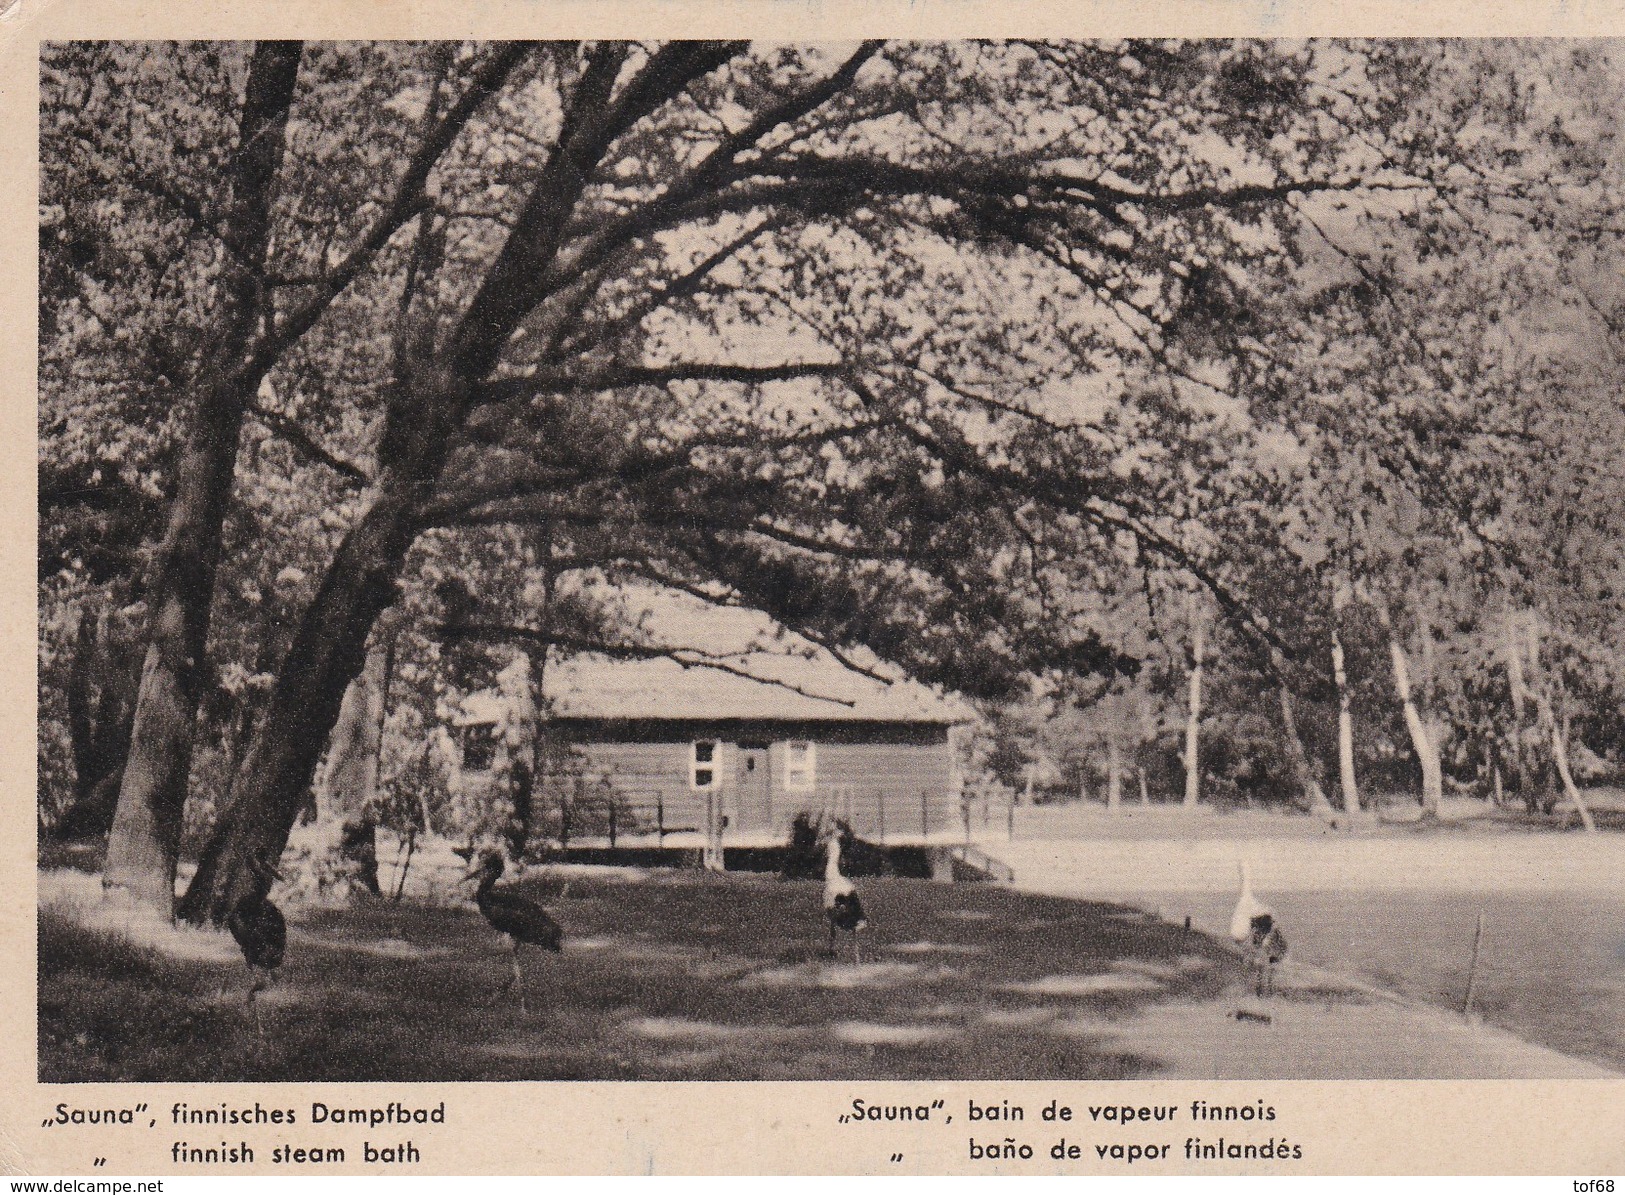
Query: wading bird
(260, 931)
(1257, 930)
(521, 919)
(842, 907)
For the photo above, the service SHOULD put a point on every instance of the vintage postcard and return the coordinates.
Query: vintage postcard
(804, 588)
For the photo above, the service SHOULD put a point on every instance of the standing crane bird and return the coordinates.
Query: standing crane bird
(1257, 930)
(260, 930)
(521, 919)
(842, 907)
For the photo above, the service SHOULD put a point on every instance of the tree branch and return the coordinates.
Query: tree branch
(716, 167)
(684, 657)
(518, 280)
(984, 179)
(288, 430)
(1070, 494)
(616, 376)
(681, 286)
(406, 202)
(634, 467)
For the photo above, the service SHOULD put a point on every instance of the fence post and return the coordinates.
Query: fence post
(660, 818)
(925, 813)
(713, 857)
(612, 804)
(880, 802)
(580, 794)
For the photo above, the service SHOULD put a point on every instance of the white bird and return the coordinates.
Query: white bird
(1256, 929)
(842, 907)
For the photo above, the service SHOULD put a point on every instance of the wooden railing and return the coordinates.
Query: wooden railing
(980, 861)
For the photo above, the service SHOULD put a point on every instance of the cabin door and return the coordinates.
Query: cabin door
(753, 790)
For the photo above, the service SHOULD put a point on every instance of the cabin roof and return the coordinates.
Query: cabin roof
(729, 664)
(778, 688)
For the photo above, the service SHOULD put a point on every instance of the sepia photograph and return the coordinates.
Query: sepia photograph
(1018, 559)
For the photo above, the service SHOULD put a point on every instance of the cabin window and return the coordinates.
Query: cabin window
(702, 770)
(800, 767)
(479, 747)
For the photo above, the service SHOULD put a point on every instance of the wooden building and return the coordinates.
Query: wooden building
(678, 747)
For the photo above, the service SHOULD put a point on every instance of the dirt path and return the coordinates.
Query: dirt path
(1325, 1035)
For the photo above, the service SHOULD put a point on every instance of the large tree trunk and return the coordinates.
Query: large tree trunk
(80, 695)
(144, 844)
(1424, 742)
(1438, 727)
(526, 813)
(1193, 721)
(326, 655)
(433, 392)
(1560, 755)
(1114, 773)
(1302, 771)
(102, 682)
(329, 647)
(143, 849)
(342, 842)
(1517, 684)
(1346, 779)
(1557, 732)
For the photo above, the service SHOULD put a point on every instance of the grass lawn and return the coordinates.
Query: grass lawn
(675, 975)
(688, 975)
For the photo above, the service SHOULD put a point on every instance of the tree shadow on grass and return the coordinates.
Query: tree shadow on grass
(683, 976)
(112, 1010)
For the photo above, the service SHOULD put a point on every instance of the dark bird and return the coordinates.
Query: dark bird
(1256, 929)
(842, 907)
(260, 931)
(522, 920)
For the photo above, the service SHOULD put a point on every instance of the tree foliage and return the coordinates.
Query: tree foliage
(972, 354)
